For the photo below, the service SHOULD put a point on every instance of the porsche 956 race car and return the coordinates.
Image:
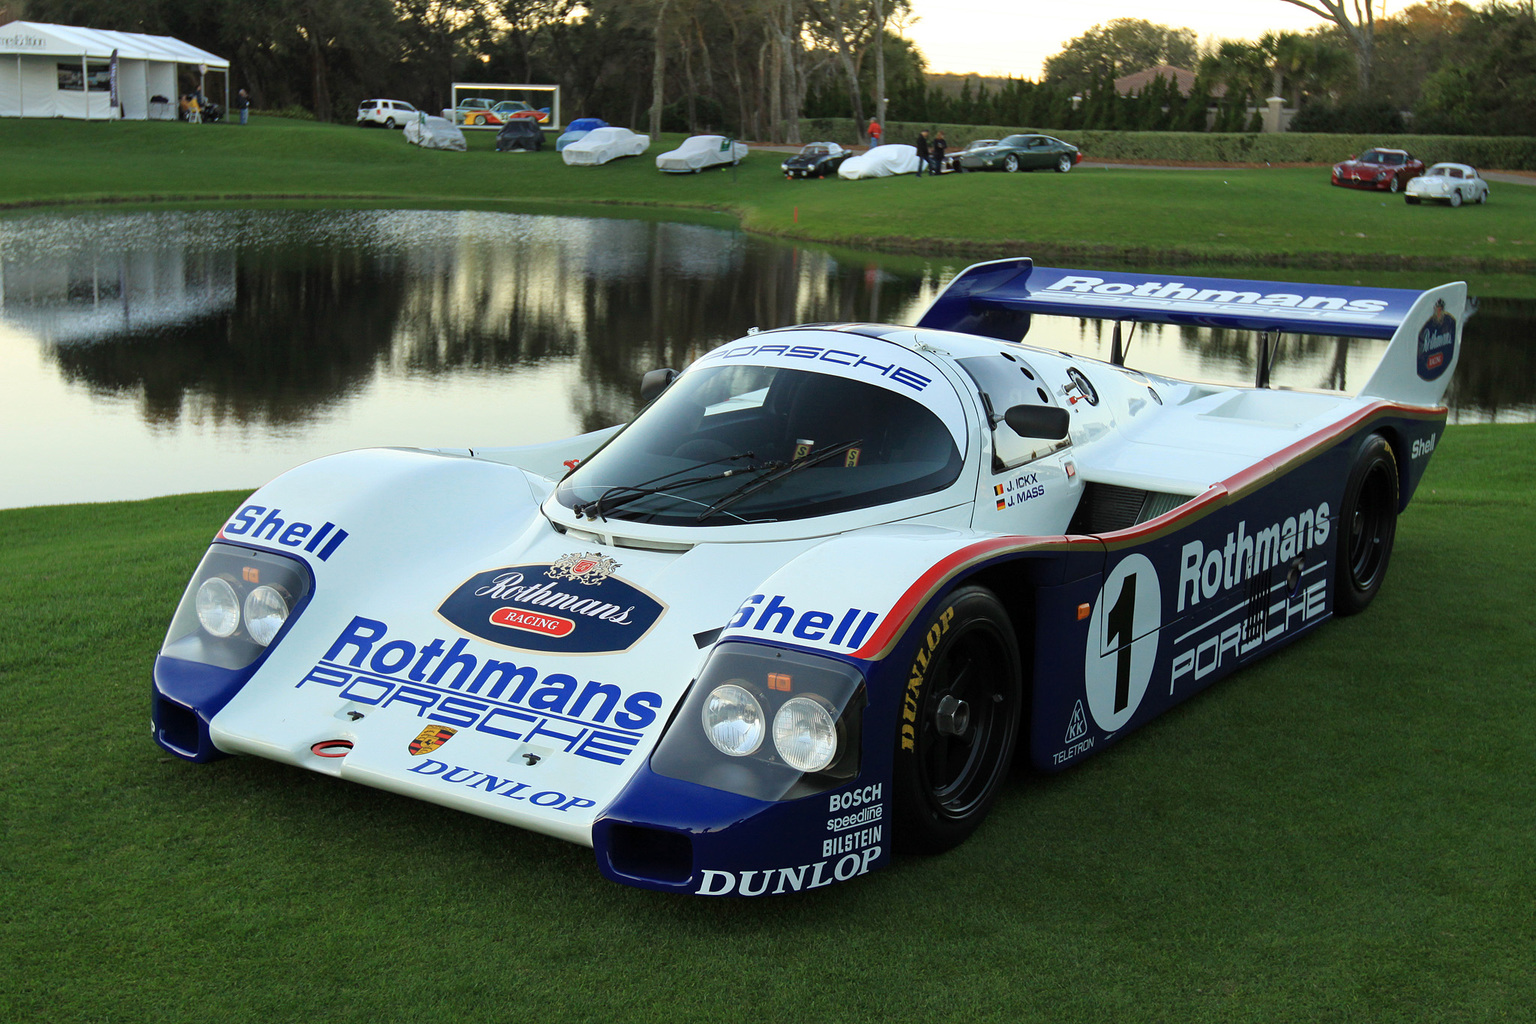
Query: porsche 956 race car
(806, 608)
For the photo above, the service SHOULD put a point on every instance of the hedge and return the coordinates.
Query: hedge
(1510, 153)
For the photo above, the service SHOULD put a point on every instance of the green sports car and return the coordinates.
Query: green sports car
(1022, 153)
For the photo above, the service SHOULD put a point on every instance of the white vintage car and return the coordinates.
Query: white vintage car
(880, 162)
(702, 152)
(1447, 183)
(813, 601)
(601, 145)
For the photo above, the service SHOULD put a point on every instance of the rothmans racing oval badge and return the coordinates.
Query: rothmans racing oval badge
(575, 605)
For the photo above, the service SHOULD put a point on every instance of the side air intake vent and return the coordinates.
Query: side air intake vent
(1106, 507)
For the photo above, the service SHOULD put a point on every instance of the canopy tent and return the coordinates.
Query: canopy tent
(66, 71)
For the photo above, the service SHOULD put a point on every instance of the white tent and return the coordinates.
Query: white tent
(65, 71)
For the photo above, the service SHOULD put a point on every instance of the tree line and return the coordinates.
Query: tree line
(754, 68)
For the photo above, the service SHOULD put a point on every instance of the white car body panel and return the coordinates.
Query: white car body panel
(880, 162)
(604, 144)
(701, 152)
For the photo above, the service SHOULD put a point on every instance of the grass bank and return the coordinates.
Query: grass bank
(1251, 218)
(1340, 833)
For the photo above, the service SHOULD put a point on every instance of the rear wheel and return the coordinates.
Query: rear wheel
(959, 722)
(1010, 163)
(1367, 527)
(389, 122)
(1063, 164)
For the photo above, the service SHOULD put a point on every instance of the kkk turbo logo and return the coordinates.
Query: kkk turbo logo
(573, 606)
(430, 738)
(589, 569)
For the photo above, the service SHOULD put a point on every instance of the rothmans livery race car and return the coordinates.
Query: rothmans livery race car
(806, 608)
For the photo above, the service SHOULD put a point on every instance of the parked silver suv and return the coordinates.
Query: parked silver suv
(389, 113)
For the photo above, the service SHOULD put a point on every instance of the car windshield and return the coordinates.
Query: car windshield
(1376, 156)
(734, 444)
(814, 150)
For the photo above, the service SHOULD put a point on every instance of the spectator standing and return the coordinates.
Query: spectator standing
(922, 152)
(939, 146)
(874, 133)
(243, 101)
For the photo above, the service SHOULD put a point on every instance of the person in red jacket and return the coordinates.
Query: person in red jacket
(873, 133)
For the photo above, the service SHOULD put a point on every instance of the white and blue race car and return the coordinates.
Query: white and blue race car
(808, 606)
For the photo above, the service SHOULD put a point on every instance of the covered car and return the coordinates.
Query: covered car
(814, 599)
(701, 152)
(434, 133)
(815, 160)
(880, 162)
(520, 135)
(1447, 183)
(604, 144)
(1385, 170)
(1025, 152)
(577, 130)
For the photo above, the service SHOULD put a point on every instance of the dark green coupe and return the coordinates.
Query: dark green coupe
(1022, 153)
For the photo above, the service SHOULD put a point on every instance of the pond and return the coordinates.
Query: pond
(174, 351)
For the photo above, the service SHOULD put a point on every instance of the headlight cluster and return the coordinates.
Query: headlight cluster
(221, 611)
(768, 723)
(804, 730)
(238, 601)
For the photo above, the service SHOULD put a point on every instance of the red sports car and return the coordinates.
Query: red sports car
(1386, 170)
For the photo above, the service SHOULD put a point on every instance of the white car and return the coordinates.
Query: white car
(702, 152)
(604, 144)
(1447, 183)
(880, 162)
(389, 113)
(825, 588)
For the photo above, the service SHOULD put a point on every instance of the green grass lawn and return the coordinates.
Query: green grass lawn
(1342, 833)
(1231, 219)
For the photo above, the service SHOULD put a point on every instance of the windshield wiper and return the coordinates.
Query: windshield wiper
(623, 494)
(756, 484)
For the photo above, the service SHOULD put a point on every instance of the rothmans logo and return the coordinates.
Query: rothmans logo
(588, 568)
(1178, 292)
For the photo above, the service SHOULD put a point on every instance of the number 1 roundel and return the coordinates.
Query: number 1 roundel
(1122, 641)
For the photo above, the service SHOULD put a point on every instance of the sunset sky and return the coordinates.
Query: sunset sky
(1013, 37)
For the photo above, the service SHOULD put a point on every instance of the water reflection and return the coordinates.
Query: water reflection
(175, 351)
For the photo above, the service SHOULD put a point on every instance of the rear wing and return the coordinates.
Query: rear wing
(997, 299)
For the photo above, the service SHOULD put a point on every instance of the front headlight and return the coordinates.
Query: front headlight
(265, 612)
(805, 734)
(733, 720)
(235, 606)
(813, 705)
(218, 609)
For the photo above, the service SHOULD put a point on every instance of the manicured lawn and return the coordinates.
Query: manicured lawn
(1342, 833)
(1232, 219)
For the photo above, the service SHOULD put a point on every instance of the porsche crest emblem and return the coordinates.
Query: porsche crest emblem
(588, 568)
(430, 738)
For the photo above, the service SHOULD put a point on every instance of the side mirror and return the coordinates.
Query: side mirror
(1046, 421)
(655, 382)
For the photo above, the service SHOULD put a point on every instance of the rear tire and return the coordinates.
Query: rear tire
(1367, 527)
(959, 723)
